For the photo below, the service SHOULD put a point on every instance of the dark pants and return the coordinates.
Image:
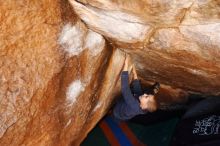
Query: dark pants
(158, 116)
(177, 110)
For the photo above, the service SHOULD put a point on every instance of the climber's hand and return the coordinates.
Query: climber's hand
(127, 59)
(134, 72)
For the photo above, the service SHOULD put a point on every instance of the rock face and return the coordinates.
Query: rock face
(174, 42)
(60, 64)
(57, 77)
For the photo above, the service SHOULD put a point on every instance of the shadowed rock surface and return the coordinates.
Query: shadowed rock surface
(60, 64)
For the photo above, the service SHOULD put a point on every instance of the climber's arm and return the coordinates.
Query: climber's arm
(134, 72)
(136, 85)
(125, 87)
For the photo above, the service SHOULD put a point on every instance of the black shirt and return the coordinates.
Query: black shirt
(128, 106)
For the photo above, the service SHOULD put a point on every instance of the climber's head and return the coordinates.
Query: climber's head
(148, 102)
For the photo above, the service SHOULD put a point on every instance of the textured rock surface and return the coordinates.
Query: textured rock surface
(174, 42)
(58, 76)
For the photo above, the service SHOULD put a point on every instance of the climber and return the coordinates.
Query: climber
(135, 101)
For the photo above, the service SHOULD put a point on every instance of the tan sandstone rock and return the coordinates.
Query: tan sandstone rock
(60, 65)
(174, 42)
(57, 77)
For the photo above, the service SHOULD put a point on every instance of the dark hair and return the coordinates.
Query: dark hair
(151, 89)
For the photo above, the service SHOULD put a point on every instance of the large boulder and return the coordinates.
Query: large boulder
(60, 64)
(57, 77)
(174, 42)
